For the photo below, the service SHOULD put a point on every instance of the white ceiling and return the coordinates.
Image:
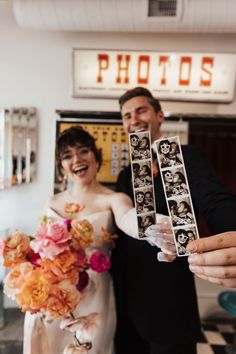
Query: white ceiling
(193, 16)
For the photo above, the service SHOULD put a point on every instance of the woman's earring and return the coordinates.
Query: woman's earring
(64, 182)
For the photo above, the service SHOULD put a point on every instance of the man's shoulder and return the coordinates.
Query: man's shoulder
(192, 152)
(125, 172)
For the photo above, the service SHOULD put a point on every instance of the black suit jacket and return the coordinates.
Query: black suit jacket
(160, 298)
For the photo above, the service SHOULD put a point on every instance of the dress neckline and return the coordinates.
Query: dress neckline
(84, 217)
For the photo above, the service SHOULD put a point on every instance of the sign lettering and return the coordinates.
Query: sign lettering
(174, 76)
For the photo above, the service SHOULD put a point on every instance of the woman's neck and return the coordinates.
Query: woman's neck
(82, 189)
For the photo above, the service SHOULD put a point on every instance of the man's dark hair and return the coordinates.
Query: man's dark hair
(140, 91)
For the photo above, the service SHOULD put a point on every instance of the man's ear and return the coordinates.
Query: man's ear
(161, 117)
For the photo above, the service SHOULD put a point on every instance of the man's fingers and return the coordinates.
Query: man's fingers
(215, 272)
(223, 240)
(230, 283)
(221, 257)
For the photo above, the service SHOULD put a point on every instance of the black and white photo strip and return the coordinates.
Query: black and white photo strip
(142, 179)
(177, 192)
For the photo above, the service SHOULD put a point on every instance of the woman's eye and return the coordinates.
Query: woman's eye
(84, 150)
(66, 157)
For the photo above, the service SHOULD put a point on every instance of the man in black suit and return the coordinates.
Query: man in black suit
(156, 302)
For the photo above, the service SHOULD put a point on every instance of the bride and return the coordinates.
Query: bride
(78, 160)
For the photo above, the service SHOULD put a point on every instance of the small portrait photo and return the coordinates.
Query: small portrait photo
(140, 146)
(175, 182)
(139, 201)
(181, 211)
(144, 222)
(134, 146)
(182, 237)
(169, 153)
(144, 148)
(149, 201)
(142, 174)
(168, 182)
(144, 200)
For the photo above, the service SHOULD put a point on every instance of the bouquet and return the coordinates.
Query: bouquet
(49, 272)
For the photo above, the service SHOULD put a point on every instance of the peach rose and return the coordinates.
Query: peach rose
(72, 209)
(62, 267)
(16, 248)
(83, 230)
(16, 278)
(34, 292)
(63, 299)
(2, 244)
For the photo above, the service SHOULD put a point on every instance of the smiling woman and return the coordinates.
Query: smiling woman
(78, 158)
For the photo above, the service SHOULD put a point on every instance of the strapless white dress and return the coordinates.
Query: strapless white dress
(100, 300)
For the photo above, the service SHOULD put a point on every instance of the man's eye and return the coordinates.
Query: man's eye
(142, 110)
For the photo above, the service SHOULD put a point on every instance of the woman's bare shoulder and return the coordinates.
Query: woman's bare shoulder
(57, 199)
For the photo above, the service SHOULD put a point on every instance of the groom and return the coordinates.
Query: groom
(156, 302)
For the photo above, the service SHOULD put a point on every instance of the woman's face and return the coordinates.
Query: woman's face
(181, 207)
(79, 164)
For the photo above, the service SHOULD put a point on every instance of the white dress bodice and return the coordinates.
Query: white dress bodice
(100, 299)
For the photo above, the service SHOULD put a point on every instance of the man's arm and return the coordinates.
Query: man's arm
(211, 199)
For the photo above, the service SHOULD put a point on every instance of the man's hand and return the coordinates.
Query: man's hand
(161, 235)
(214, 258)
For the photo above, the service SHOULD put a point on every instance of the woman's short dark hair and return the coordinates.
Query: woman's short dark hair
(140, 91)
(72, 137)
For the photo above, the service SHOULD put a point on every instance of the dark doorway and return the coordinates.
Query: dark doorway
(218, 139)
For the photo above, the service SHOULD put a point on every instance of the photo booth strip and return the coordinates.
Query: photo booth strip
(142, 180)
(177, 192)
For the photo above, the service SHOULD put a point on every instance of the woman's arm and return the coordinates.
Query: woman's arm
(126, 219)
(124, 214)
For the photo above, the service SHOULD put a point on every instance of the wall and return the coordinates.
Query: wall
(36, 70)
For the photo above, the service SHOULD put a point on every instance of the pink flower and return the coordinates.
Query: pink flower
(58, 232)
(100, 262)
(51, 240)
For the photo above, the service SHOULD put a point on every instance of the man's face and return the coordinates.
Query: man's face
(138, 115)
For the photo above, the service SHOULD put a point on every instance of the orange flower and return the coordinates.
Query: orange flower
(82, 230)
(34, 293)
(16, 278)
(72, 209)
(16, 249)
(107, 237)
(63, 300)
(65, 261)
(64, 266)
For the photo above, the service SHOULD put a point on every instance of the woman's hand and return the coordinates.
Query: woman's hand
(161, 235)
(214, 258)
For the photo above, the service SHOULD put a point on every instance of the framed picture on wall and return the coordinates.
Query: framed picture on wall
(108, 132)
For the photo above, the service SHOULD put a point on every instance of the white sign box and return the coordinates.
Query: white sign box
(169, 76)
